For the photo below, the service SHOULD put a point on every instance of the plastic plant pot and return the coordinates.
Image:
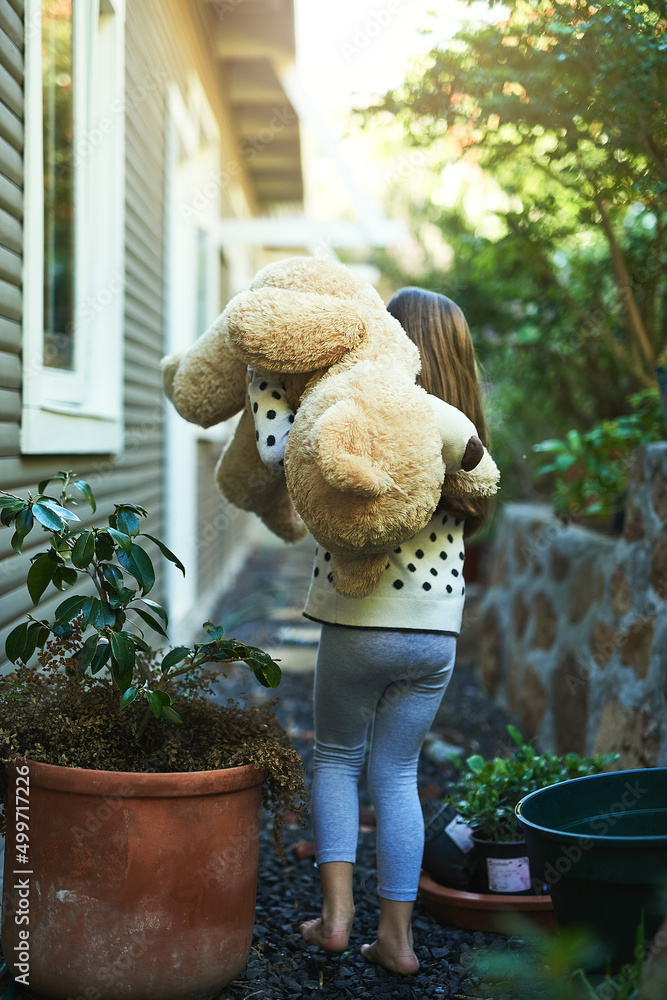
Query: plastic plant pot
(601, 842)
(503, 867)
(449, 853)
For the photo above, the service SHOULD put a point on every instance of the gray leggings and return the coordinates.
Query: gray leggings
(388, 682)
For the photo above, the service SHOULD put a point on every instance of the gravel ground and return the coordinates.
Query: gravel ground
(264, 608)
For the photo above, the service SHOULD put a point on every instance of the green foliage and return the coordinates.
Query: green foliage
(552, 967)
(487, 791)
(99, 695)
(97, 632)
(590, 470)
(552, 204)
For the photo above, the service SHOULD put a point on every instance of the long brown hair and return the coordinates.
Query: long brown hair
(449, 370)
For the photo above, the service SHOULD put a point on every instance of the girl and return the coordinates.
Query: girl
(384, 661)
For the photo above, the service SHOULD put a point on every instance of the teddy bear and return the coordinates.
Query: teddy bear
(368, 450)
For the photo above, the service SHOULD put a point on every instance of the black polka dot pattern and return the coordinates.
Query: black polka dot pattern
(270, 407)
(422, 581)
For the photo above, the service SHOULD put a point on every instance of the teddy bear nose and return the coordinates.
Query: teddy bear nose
(472, 456)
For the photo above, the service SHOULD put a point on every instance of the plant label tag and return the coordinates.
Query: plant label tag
(508, 874)
(461, 834)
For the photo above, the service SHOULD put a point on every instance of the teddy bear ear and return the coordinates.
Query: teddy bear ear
(343, 452)
(279, 329)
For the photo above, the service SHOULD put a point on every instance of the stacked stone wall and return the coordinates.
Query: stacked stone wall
(574, 624)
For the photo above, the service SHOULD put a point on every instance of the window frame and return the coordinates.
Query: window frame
(79, 411)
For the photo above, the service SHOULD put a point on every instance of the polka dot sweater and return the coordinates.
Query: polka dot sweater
(272, 416)
(422, 587)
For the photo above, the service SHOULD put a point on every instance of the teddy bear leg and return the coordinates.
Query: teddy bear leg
(247, 483)
(357, 576)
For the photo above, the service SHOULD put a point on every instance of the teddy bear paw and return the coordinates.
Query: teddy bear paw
(472, 456)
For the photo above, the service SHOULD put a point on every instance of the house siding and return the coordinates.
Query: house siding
(164, 43)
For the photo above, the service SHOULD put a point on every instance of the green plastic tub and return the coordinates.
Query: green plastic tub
(601, 844)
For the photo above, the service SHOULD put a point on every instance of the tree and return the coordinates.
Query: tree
(562, 103)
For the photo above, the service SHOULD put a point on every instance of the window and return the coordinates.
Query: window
(73, 280)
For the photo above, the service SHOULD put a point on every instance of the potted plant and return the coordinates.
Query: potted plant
(133, 799)
(485, 795)
(482, 800)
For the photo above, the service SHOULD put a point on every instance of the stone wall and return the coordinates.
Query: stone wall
(574, 624)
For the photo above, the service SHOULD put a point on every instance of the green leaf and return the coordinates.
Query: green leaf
(15, 642)
(23, 525)
(123, 650)
(87, 652)
(121, 539)
(132, 506)
(70, 608)
(166, 552)
(128, 697)
(104, 548)
(155, 702)
(34, 635)
(152, 622)
(90, 609)
(113, 576)
(101, 657)
(174, 656)
(157, 608)
(67, 515)
(171, 715)
(41, 487)
(8, 514)
(39, 576)
(84, 488)
(127, 522)
(475, 763)
(517, 736)
(215, 631)
(106, 615)
(64, 577)
(551, 445)
(13, 503)
(138, 642)
(140, 566)
(267, 671)
(84, 549)
(48, 517)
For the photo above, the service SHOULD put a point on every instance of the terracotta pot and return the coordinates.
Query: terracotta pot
(136, 885)
(478, 911)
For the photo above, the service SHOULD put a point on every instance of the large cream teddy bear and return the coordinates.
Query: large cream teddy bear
(368, 449)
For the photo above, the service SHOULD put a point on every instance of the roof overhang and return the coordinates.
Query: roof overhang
(253, 41)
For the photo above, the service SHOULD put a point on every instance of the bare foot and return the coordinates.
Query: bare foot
(328, 935)
(402, 960)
